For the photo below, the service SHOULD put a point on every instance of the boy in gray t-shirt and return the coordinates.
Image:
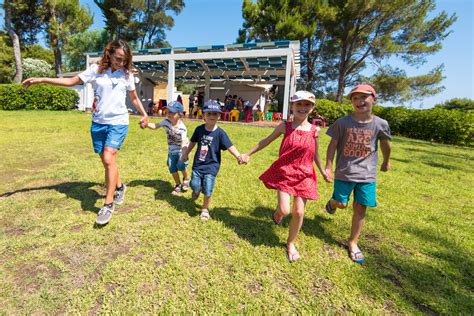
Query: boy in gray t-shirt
(355, 138)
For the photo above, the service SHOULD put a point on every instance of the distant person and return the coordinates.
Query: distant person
(354, 137)
(176, 134)
(210, 140)
(179, 99)
(114, 80)
(150, 108)
(191, 103)
(292, 174)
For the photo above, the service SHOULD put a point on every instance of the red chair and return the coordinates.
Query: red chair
(225, 115)
(248, 116)
(277, 116)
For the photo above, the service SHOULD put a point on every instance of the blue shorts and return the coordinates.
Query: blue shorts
(173, 163)
(202, 182)
(364, 192)
(105, 135)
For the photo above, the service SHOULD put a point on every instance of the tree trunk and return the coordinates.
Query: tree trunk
(16, 43)
(341, 77)
(57, 61)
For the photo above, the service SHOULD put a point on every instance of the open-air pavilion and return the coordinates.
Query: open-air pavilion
(276, 63)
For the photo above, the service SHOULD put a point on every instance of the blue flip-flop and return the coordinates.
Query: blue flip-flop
(353, 254)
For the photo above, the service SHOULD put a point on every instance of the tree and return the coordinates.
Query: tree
(152, 21)
(7, 71)
(140, 21)
(27, 20)
(347, 35)
(79, 44)
(118, 17)
(395, 86)
(8, 7)
(64, 18)
(377, 30)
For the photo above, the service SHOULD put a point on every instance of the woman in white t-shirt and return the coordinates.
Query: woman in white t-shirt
(112, 80)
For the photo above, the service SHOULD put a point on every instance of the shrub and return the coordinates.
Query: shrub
(38, 97)
(331, 110)
(36, 68)
(438, 124)
(458, 104)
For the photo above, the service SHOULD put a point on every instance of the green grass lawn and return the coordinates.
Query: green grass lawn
(157, 256)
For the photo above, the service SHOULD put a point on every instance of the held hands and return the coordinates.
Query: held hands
(385, 166)
(184, 157)
(144, 121)
(244, 159)
(327, 175)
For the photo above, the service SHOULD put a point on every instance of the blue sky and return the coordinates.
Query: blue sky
(204, 22)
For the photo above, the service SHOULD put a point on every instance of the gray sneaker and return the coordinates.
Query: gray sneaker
(104, 215)
(119, 195)
(185, 186)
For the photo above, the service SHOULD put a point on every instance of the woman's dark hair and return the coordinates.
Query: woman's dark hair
(110, 49)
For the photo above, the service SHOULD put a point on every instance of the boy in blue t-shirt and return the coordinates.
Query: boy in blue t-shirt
(211, 140)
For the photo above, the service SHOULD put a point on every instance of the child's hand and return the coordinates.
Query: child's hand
(325, 176)
(184, 158)
(385, 166)
(328, 177)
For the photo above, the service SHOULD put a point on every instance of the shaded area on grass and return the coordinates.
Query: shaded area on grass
(80, 191)
(255, 231)
(413, 279)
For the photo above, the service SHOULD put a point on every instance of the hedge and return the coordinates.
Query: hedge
(437, 124)
(37, 97)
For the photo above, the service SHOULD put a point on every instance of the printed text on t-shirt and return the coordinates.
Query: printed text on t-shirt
(358, 142)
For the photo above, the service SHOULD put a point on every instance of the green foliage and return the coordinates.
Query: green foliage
(79, 44)
(464, 104)
(6, 59)
(36, 68)
(36, 51)
(141, 21)
(38, 97)
(27, 20)
(338, 38)
(64, 19)
(331, 110)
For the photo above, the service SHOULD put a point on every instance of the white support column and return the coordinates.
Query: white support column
(171, 71)
(207, 89)
(286, 97)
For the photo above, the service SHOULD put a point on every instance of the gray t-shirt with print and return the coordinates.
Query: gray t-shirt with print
(177, 135)
(357, 145)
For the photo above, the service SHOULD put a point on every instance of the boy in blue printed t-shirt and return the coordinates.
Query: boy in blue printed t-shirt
(210, 140)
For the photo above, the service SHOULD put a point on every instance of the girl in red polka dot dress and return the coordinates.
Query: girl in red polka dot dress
(293, 172)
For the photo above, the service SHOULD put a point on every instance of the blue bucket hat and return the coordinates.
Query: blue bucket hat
(175, 107)
(212, 106)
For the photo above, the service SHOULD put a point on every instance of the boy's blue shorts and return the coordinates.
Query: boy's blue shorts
(173, 163)
(105, 135)
(202, 182)
(364, 192)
